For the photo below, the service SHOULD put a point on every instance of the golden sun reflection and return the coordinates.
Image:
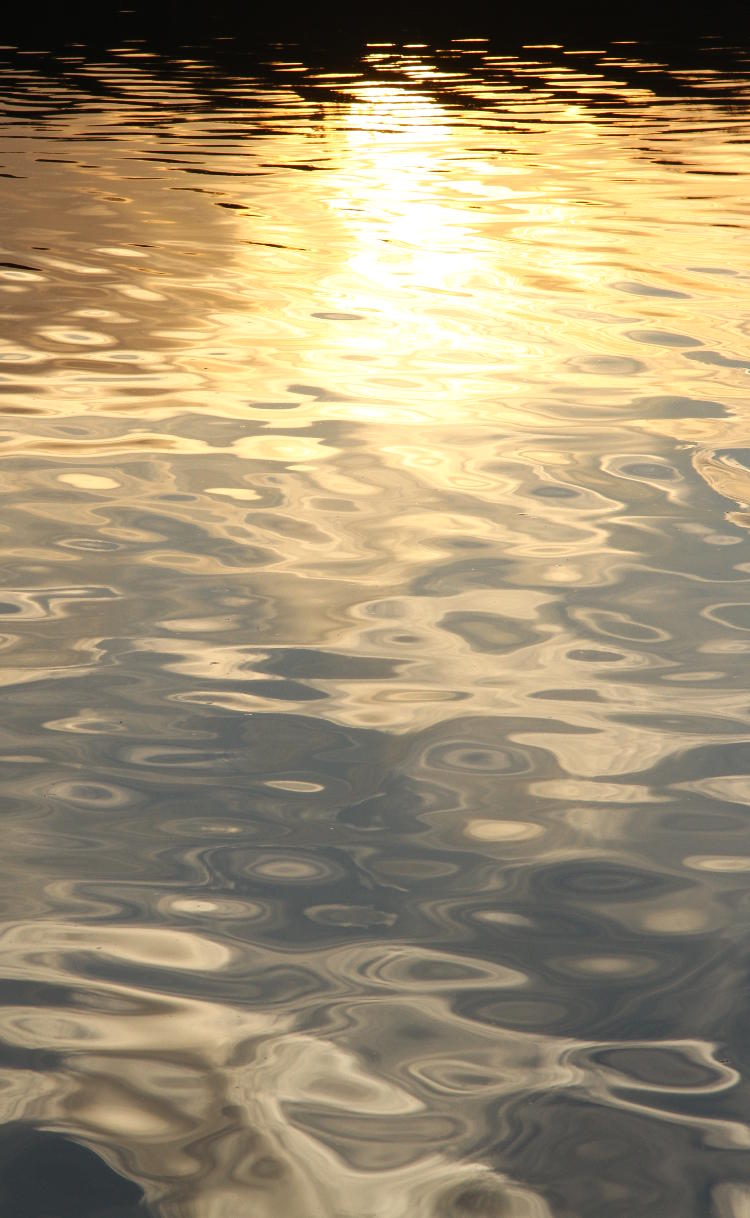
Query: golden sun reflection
(419, 300)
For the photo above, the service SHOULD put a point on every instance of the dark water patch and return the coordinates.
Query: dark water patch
(666, 406)
(645, 289)
(45, 1172)
(663, 338)
(489, 632)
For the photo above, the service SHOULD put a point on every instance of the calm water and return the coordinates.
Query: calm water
(375, 629)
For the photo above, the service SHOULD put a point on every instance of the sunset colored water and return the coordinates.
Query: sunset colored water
(375, 632)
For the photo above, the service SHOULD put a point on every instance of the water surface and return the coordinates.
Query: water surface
(375, 622)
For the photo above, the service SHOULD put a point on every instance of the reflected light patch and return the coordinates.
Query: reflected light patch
(89, 482)
(233, 492)
(502, 830)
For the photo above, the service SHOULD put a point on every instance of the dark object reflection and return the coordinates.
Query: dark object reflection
(45, 1175)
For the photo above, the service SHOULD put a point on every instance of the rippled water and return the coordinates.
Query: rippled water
(375, 452)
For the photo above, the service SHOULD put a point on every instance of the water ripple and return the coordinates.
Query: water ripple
(374, 629)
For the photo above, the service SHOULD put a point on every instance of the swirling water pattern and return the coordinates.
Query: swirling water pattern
(375, 632)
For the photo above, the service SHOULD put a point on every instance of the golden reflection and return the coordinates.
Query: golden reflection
(205, 1103)
(418, 291)
(374, 448)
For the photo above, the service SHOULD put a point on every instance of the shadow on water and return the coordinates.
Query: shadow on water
(335, 23)
(43, 1174)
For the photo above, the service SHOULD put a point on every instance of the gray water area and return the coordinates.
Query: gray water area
(375, 632)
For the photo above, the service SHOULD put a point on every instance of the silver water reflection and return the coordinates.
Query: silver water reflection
(375, 623)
